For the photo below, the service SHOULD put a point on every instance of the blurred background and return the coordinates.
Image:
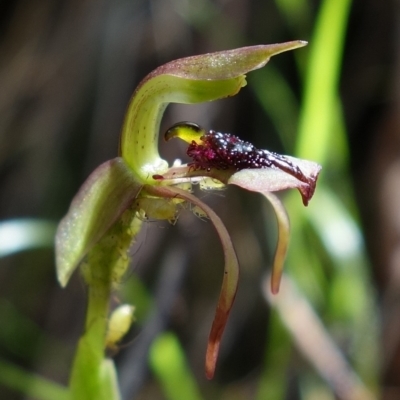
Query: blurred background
(67, 71)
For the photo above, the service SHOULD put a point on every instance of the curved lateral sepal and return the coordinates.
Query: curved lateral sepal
(231, 273)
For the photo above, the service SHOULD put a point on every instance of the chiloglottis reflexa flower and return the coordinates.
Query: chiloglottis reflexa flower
(140, 183)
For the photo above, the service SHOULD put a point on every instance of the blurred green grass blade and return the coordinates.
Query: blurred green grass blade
(135, 292)
(326, 256)
(198, 14)
(303, 261)
(30, 385)
(297, 14)
(24, 338)
(312, 387)
(278, 101)
(338, 156)
(18, 334)
(338, 230)
(207, 17)
(315, 342)
(326, 48)
(24, 234)
(351, 295)
(273, 379)
(168, 363)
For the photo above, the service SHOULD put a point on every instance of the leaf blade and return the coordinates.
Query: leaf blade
(104, 196)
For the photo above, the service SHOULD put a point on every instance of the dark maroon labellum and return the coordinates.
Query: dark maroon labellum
(224, 151)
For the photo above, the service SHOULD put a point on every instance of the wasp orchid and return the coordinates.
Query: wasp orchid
(106, 213)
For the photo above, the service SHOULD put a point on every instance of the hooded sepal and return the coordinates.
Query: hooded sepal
(188, 80)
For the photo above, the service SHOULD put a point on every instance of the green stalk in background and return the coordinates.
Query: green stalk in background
(319, 107)
(335, 279)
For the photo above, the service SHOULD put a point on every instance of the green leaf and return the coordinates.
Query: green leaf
(189, 80)
(31, 385)
(105, 195)
(167, 360)
(24, 234)
(109, 380)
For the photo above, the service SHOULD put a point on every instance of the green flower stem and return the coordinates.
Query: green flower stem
(96, 318)
(92, 375)
(86, 380)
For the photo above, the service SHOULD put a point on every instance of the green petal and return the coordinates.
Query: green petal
(189, 80)
(231, 273)
(105, 195)
(283, 240)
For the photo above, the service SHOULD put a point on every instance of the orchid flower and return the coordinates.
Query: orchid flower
(106, 213)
